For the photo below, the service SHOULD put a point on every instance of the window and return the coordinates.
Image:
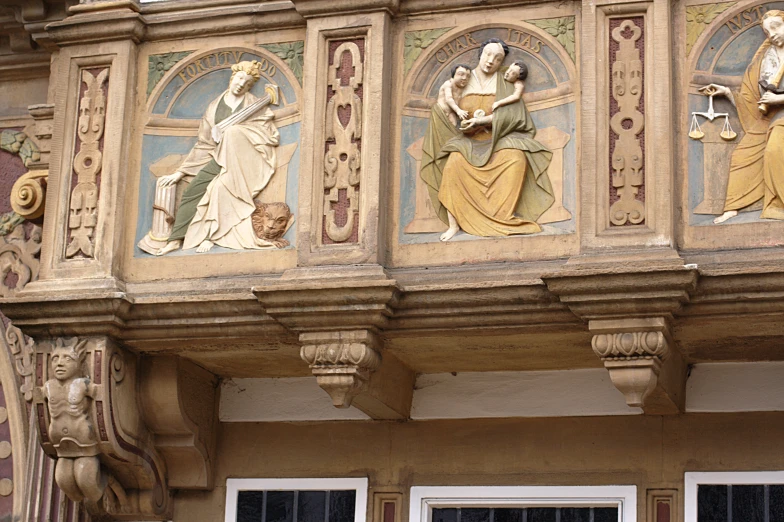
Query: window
(524, 504)
(754, 496)
(296, 500)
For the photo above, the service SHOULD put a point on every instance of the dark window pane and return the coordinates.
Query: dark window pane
(280, 506)
(341, 506)
(509, 515)
(575, 514)
(445, 515)
(475, 515)
(748, 503)
(711, 503)
(605, 514)
(311, 506)
(776, 503)
(249, 506)
(541, 514)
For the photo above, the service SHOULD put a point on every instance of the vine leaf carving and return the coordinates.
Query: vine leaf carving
(417, 41)
(562, 29)
(159, 64)
(293, 53)
(699, 17)
(17, 142)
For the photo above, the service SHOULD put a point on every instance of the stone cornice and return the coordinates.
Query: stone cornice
(418, 306)
(316, 8)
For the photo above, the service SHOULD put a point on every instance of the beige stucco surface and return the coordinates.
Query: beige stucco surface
(647, 451)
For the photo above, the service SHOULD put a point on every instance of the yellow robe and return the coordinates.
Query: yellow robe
(483, 199)
(757, 164)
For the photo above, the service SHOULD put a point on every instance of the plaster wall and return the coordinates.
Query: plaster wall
(647, 451)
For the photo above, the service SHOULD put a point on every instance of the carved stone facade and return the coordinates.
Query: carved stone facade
(439, 244)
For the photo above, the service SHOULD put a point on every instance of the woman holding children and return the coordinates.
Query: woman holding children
(487, 176)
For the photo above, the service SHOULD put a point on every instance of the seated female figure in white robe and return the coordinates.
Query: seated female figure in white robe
(247, 156)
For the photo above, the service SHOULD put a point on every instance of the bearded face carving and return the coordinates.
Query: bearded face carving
(271, 221)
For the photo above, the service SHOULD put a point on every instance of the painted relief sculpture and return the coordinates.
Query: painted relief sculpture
(71, 431)
(756, 171)
(488, 176)
(232, 162)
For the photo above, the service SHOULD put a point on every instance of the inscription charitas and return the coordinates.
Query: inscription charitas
(467, 41)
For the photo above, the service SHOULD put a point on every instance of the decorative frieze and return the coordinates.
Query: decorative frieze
(87, 164)
(343, 134)
(627, 122)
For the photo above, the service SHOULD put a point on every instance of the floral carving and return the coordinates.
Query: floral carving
(416, 42)
(562, 29)
(18, 257)
(17, 142)
(699, 17)
(293, 53)
(158, 64)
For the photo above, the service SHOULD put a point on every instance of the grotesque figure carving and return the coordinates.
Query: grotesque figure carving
(270, 222)
(69, 397)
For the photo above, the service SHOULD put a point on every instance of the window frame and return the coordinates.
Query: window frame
(693, 479)
(425, 498)
(235, 485)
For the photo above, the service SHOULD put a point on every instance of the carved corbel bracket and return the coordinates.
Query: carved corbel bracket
(630, 310)
(105, 453)
(643, 363)
(339, 314)
(342, 361)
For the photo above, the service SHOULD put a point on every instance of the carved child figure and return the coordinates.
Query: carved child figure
(270, 222)
(516, 74)
(78, 471)
(451, 91)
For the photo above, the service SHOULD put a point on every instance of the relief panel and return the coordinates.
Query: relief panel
(735, 110)
(220, 151)
(457, 155)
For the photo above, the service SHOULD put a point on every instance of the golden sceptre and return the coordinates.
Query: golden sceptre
(772, 86)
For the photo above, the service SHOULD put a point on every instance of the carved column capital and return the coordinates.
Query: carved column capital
(341, 361)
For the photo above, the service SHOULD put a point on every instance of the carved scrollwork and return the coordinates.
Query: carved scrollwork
(23, 350)
(627, 123)
(87, 164)
(19, 262)
(630, 345)
(28, 195)
(342, 161)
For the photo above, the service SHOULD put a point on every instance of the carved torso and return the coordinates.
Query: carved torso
(70, 430)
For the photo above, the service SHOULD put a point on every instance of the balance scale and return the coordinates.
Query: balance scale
(695, 131)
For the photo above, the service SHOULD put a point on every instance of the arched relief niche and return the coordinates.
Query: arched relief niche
(721, 55)
(550, 96)
(175, 107)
